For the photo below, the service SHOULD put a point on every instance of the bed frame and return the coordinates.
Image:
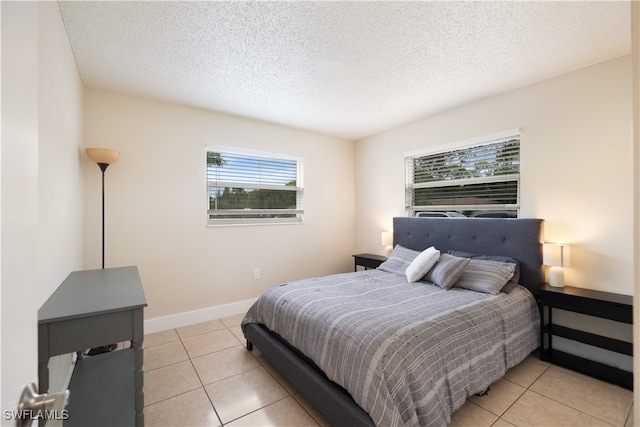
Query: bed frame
(518, 238)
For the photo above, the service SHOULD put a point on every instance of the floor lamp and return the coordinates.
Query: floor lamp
(103, 157)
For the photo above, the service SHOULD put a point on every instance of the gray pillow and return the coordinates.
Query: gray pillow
(447, 271)
(516, 273)
(398, 260)
(486, 276)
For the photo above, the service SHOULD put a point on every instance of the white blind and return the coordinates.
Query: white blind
(248, 187)
(485, 176)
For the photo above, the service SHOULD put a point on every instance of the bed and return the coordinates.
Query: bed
(369, 348)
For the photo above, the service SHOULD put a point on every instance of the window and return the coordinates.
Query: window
(479, 178)
(253, 187)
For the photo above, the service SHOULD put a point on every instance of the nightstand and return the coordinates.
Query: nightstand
(367, 261)
(604, 305)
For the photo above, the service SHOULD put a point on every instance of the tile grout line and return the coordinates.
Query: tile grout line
(529, 389)
(588, 378)
(557, 401)
(190, 360)
(222, 424)
(571, 407)
(629, 415)
(289, 395)
(523, 393)
(547, 397)
(173, 364)
(200, 380)
(261, 366)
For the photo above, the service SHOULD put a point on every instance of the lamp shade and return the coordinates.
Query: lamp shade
(556, 255)
(103, 155)
(387, 238)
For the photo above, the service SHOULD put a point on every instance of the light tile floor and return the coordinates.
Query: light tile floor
(202, 375)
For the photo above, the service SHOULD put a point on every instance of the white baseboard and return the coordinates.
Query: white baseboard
(173, 321)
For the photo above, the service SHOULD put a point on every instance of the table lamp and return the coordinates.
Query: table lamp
(556, 256)
(387, 242)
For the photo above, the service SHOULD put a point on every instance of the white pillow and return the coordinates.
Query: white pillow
(422, 264)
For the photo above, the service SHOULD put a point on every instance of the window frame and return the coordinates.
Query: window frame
(260, 219)
(450, 210)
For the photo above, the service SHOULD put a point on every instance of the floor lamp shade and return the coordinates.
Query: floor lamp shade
(103, 155)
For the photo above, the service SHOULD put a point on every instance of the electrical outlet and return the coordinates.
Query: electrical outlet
(256, 273)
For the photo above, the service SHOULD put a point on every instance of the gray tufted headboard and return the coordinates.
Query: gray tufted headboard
(520, 239)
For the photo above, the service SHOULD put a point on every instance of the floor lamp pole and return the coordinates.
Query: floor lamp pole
(103, 158)
(103, 168)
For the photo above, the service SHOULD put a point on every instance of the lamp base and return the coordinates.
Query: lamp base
(556, 277)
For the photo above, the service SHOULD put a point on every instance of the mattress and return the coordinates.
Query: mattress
(408, 353)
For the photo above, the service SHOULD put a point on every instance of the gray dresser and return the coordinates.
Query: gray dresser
(90, 309)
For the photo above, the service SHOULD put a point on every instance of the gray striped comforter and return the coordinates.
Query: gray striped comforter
(409, 354)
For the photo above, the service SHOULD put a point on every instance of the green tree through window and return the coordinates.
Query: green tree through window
(471, 180)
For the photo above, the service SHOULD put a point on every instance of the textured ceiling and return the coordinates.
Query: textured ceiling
(349, 69)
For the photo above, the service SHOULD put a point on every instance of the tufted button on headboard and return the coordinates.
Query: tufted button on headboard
(519, 238)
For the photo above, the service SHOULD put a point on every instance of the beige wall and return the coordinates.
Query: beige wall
(576, 174)
(41, 227)
(60, 109)
(156, 202)
(60, 98)
(19, 188)
(576, 167)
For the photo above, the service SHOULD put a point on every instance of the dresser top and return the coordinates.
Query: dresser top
(91, 292)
